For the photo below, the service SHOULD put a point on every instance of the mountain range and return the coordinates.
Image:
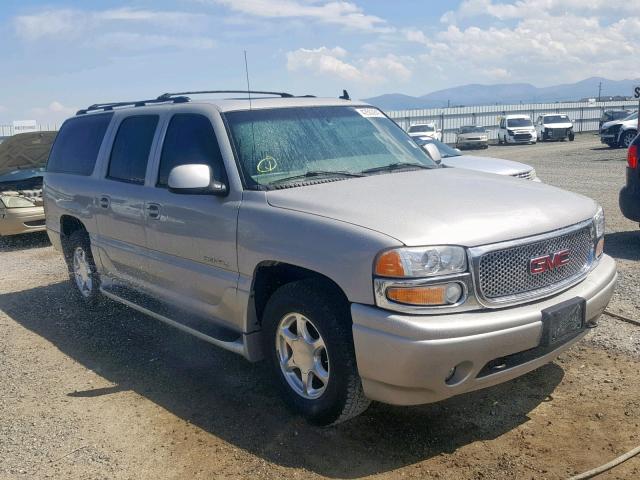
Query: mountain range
(476, 94)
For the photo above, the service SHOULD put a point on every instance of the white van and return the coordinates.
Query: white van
(516, 129)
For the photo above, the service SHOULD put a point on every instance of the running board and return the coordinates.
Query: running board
(235, 345)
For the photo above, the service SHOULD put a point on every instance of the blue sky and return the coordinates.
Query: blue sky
(59, 56)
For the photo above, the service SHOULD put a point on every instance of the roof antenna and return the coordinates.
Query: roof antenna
(246, 69)
(345, 95)
(253, 133)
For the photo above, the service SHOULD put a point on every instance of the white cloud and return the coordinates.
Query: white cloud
(139, 41)
(55, 113)
(50, 23)
(535, 8)
(342, 13)
(537, 45)
(331, 62)
(85, 25)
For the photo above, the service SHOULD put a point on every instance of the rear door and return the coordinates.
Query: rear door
(121, 200)
(192, 237)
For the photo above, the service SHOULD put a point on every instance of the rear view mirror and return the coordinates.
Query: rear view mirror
(433, 152)
(195, 179)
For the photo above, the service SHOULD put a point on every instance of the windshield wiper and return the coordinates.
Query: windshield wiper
(316, 173)
(395, 166)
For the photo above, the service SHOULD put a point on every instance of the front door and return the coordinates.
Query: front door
(191, 238)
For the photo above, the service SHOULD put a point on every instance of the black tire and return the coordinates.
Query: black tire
(499, 140)
(343, 397)
(91, 296)
(626, 139)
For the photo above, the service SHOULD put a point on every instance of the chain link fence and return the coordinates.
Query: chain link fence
(585, 115)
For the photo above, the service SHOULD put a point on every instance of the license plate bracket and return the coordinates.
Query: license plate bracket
(563, 321)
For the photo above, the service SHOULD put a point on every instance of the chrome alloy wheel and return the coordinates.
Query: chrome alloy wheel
(302, 355)
(82, 272)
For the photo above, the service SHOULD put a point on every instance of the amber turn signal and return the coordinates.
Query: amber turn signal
(389, 265)
(433, 295)
(600, 247)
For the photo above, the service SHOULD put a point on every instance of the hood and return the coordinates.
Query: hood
(473, 135)
(25, 151)
(558, 125)
(440, 206)
(629, 123)
(486, 164)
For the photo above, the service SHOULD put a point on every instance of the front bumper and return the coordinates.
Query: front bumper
(521, 138)
(406, 359)
(14, 221)
(466, 142)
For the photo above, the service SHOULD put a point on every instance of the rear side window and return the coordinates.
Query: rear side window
(130, 152)
(76, 147)
(190, 139)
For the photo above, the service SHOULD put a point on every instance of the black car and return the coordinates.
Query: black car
(609, 115)
(630, 193)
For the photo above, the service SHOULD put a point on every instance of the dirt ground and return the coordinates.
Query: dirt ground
(117, 395)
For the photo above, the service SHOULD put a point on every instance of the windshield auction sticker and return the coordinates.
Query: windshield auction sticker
(370, 112)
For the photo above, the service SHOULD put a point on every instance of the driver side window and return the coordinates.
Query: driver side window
(190, 139)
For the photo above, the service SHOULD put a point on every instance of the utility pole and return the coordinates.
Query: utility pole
(599, 90)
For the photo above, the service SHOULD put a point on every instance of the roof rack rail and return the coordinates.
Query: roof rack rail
(136, 103)
(169, 96)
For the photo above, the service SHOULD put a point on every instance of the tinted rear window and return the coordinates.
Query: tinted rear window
(131, 148)
(77, 144)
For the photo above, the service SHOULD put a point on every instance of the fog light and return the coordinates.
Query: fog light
(450, 375)
(453, 293)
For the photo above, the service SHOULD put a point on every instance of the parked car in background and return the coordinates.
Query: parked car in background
(610, 115)
(629, 198)
(554, 126)
(315, 234)
(22, 160)
(425, 130)
(472, 136)
(451, 157)
(620, 133)
(516, 129)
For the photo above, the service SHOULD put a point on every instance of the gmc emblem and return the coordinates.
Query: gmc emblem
(549, 262)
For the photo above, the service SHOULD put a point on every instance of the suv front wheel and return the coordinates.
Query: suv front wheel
(309, 347)
(627, 138)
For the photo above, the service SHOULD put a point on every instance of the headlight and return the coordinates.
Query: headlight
(598, 221)
(598, 225)
(418, 262)
(510, 132)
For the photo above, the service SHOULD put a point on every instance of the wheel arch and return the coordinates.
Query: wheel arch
(268, 276)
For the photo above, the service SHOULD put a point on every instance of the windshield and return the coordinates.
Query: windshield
(633, 116)
(472, 130)
(275, 144)
(556, 119)
(421, 128)
(445, 150)
(15, 202)
(519, 122)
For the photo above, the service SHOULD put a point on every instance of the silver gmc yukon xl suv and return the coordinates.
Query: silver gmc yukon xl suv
(314, 233)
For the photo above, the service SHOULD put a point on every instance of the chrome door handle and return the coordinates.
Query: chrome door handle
(104, 202)
(153, 210)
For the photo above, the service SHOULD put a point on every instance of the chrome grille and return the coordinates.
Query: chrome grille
(504, 274)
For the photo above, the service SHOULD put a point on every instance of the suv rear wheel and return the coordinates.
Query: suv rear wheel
(82, 268)
(309, 347)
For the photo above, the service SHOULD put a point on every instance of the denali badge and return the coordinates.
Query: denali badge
(548, 262)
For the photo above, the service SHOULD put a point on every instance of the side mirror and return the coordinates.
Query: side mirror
(195, 179)
(433, 152)
(458, 151)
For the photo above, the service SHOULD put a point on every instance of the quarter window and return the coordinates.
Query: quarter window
(131, 148)
(76, 147)
(190, 139)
